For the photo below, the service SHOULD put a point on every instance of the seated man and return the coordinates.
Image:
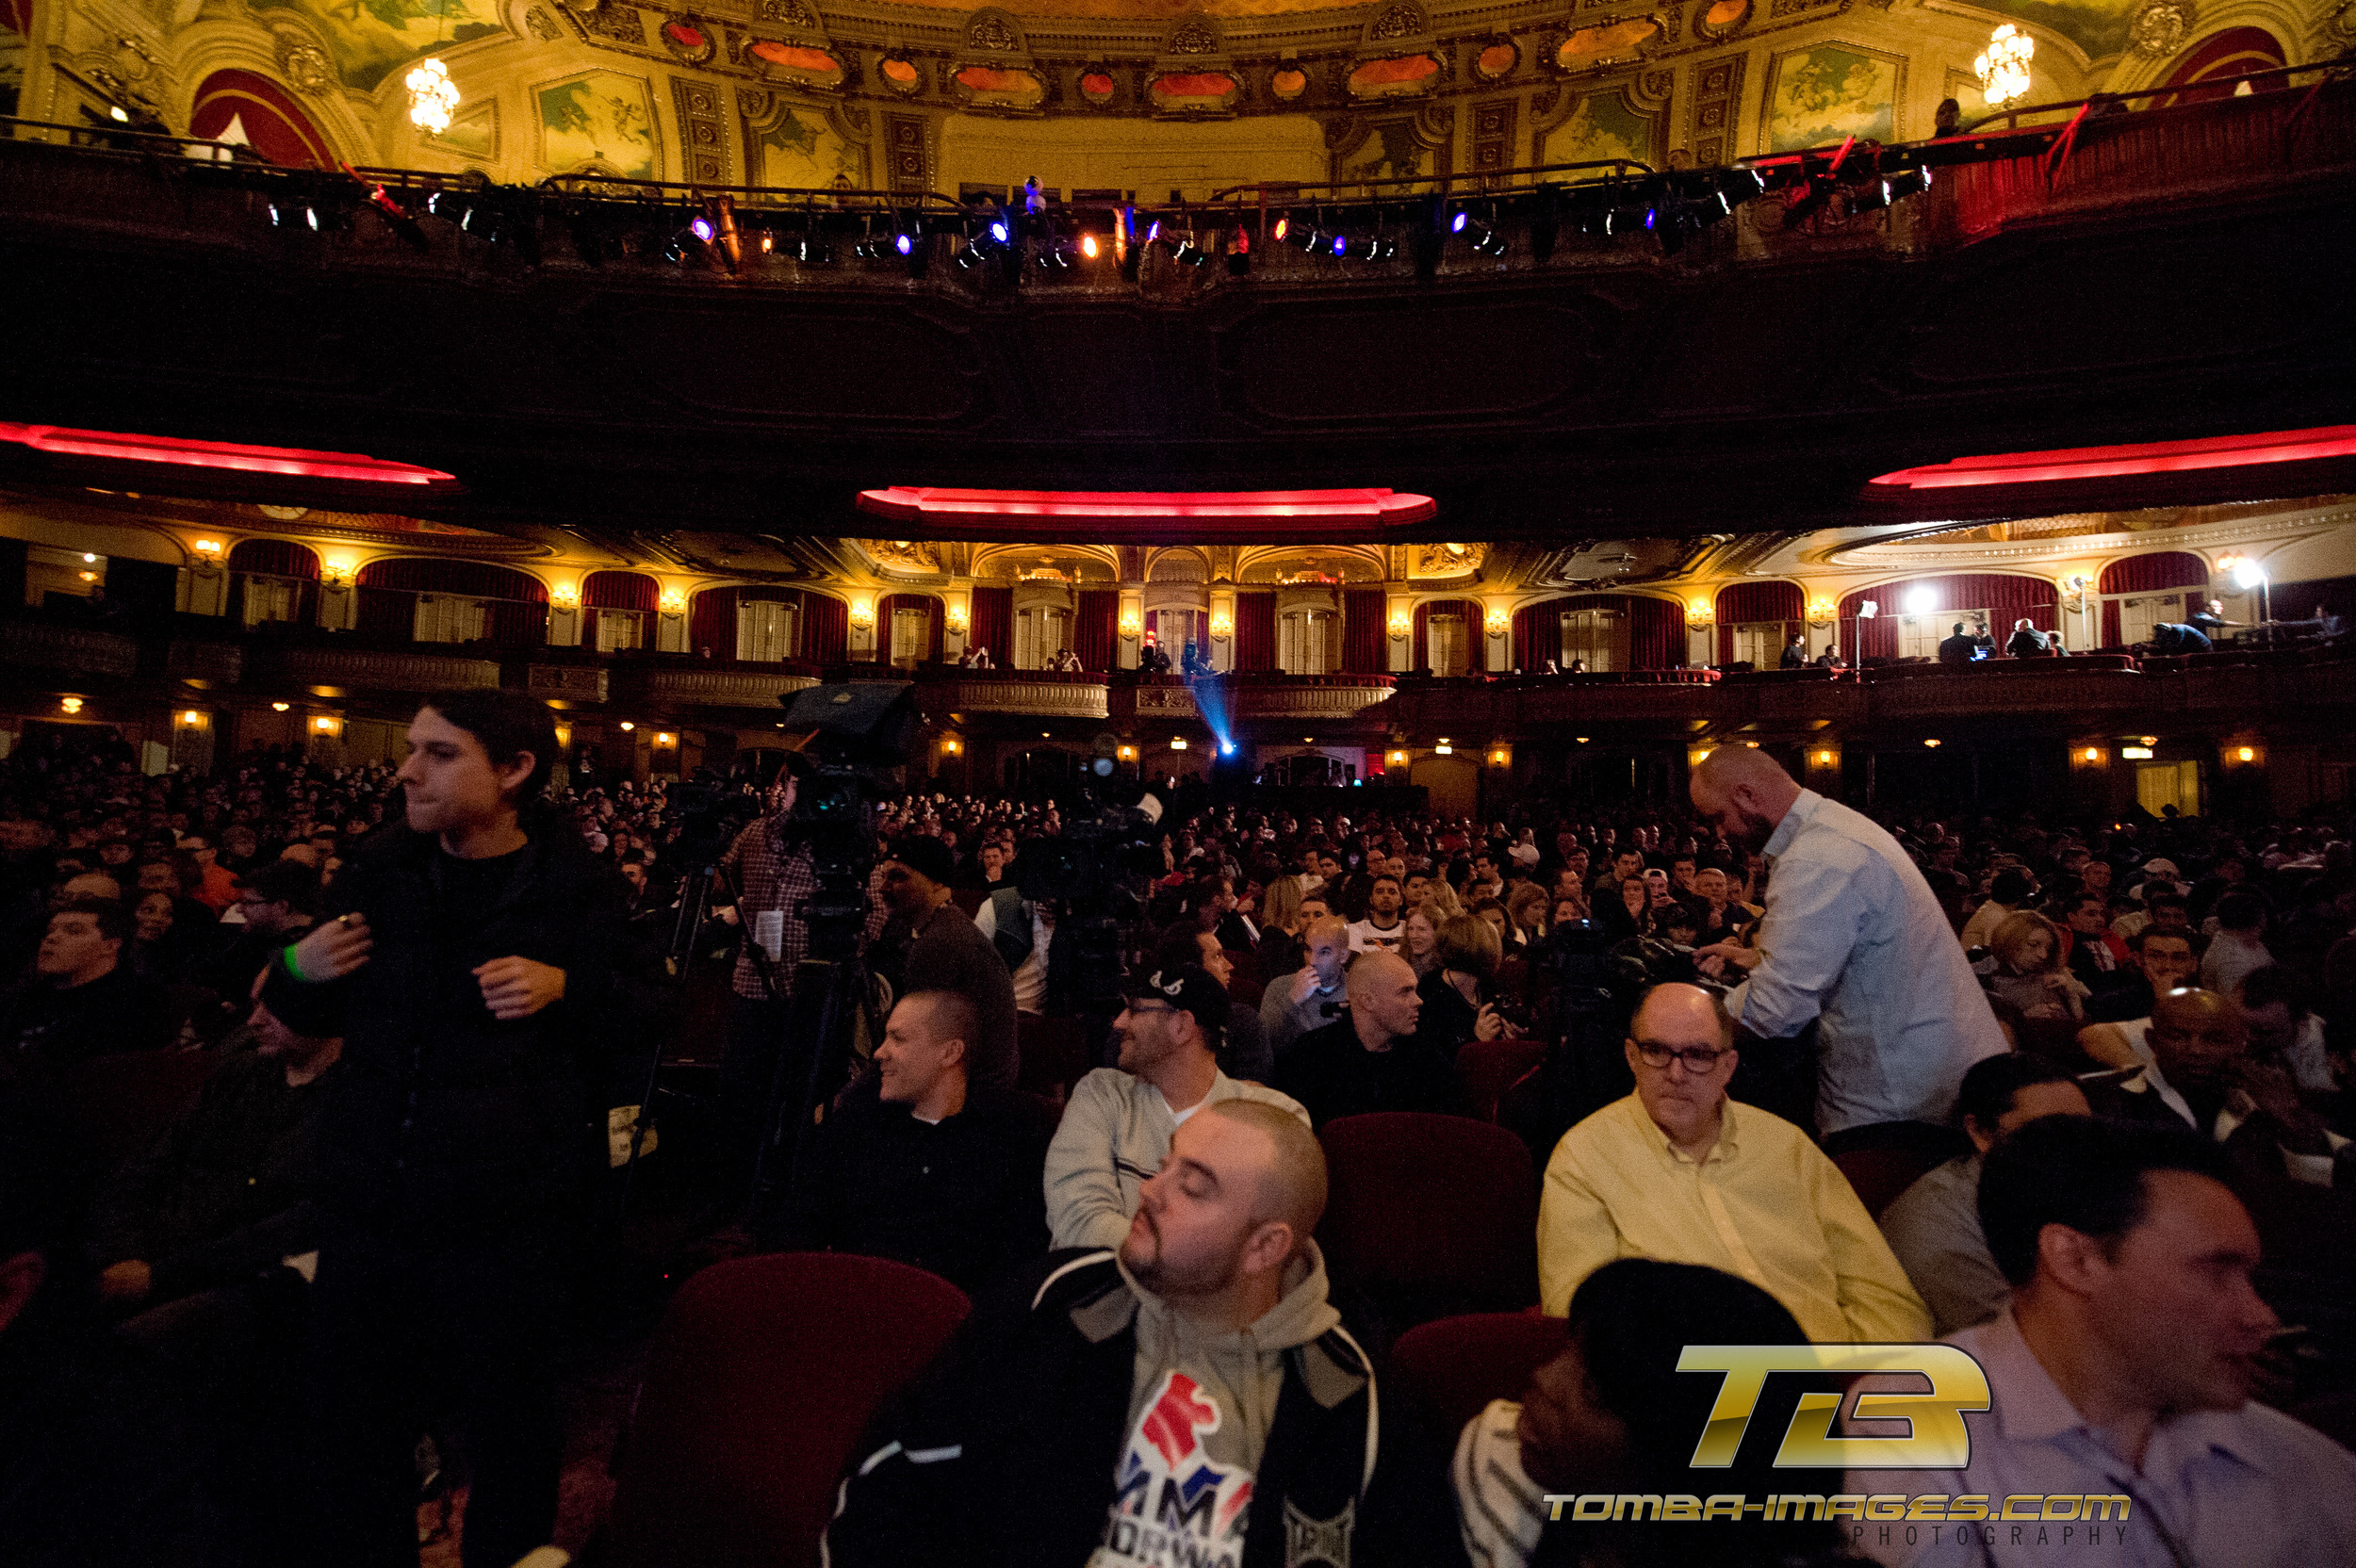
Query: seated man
(1115, 1132)
(921, 1165)
(1243, 1050)
(1189, 1399)
(2122, 1369)
(83, 1000)
(2026, 640)
(2162, 961)
(1934, 1226)
(187, 1235)
(1679, 1172)
(1371, 1058)
(1295, 1004)
(277, 902)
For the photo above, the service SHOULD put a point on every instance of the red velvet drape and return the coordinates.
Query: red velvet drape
(516, 603)
(2152, 573)
(1748, 603)
(2007, 597)
(1096, 629)
(1656, 632)
(274, 558)
(1365, 641)
(1656, 629)
(620, 590)
(712, 622)
(990, 624)
(1256, 633)
(825, 628)
(891, 604)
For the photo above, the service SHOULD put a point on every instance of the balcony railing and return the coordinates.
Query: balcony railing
(72, 651)
(692, 687)
(374, 670)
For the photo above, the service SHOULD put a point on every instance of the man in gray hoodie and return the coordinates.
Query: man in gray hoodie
(1192, 1397)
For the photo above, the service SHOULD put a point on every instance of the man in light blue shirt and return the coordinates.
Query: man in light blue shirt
(1853, 936)
(2120, 1376)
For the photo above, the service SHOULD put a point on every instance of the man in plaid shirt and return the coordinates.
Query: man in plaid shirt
(773, 875)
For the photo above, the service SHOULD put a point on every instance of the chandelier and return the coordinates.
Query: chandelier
(2004, 66)
(432, 97)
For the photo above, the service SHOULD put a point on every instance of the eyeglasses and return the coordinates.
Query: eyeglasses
(1697, 1058)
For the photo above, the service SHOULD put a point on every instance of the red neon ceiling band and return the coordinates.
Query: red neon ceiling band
(2153, 457)
(348, 466)
(911, 504)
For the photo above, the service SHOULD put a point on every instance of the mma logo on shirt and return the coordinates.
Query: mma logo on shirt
(1174, 1507)
(1309, 1542)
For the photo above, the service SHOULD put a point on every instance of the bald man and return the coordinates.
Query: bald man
(1853, 940)
(1371, 1058)
(1188, 1397)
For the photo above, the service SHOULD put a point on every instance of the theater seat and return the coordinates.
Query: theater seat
(1244, 986)
(1487, 1069)
(1454, 1367)
(119, 1105)
(1428, 1215)
(1055, 1054)
(1879, 1175)
(760, 1381)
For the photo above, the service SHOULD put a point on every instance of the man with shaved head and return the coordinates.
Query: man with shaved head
(1854, 940)
(1190, 1396)
(1371, 1057)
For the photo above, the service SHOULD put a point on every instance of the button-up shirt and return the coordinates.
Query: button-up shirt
(772, 878)
(1852, 935)
(1765, 1203)
(2251, 1487)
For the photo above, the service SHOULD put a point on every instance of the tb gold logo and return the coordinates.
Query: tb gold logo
(1938, 1440)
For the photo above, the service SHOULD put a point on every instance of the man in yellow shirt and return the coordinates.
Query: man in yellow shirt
(1678, 1172)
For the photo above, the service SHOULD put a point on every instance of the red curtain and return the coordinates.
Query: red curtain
(2154, 572)
(1656, 629)
(473, 579)
(1366, 647)
(275, 558)
(712, 622)
(2005, 597)
(990, 624)
(891, 603)
(1748, 603)
(620, 590)
(825, 628)
(1095, 630)
(1256, 633)
(514, 624)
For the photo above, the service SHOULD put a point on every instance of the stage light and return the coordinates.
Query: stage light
(904, 243)
(998, 232)
(1489, 240)
(2248, 574)
(1190, 253)
(1283, 226)
(1341, 244)
(1302, 237)
(701, 229)
(1456, 224)
(1934, 744)
(1240, 254)
(1228, 750)
(280, 707)
(1089, 246)
(1921, 601)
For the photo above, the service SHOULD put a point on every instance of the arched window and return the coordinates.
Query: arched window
(621, 607)
(1308, 641)
(430, 600)
(1754, 620)
(2143, 591)
(274, 579)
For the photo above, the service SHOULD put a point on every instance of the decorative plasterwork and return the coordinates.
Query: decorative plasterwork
(2276, 529)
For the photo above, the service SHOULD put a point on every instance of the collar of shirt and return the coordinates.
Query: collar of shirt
(1803, 811)
(1726, 1148)
(2030, 1407)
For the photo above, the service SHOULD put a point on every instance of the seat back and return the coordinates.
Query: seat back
(1454, 1367)
(119, 1105)
(1430, 1214)
(1244, 984)
(1487, 1069)
(1054, 1052)
(759, 1384)
(1879, 1175)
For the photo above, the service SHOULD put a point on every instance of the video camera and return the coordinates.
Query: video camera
(857, 736)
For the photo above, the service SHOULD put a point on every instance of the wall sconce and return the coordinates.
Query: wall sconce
(862, 613)
(1177, 743)
(1820, 613)
(339, 571)
(1698, 612)
(1933, 744)
(565, 595)
(952, 745)
(1222, 625)
(1132, 624)
(1499, 623)
(1402, 624)
(2091, 755)
(209, 549)
(564, 737)
(280, 707)
(2075, 587)
(2241, 753)
(1398, 759)
(664, 738)
(72, 705)
(627, 726)
(1126, 753)
(956, 617)
(191, 718)
(326, 726)
(673, 600)
(1826, 759)
(1501, 756)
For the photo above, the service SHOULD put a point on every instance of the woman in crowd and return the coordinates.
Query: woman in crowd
(1631, 914)
(2024, 968)
(1280, 947)
(162, 943)
(1526, 906)
(1456, 1001)
(1423, 942)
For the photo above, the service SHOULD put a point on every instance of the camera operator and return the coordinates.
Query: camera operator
(772, 872)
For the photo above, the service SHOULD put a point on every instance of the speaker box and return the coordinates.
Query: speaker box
(868, 722)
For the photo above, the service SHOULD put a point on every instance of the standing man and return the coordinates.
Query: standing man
(1851, 936)
(947, 952)
(774, 875)
(475, 969)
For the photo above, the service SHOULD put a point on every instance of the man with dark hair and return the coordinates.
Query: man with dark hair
(2159, 962)
(2008, 892)
(772, 871)
(2121, 1371)
(1381, 930)
(2239, 945)
(477, 970)
(1213, 903)
(945, 951)
(84, 1001)
(1190, 1396)
(276, 904)
(920, 1165)
(1934, 1226)
(1958, 647)
(1243, 1050)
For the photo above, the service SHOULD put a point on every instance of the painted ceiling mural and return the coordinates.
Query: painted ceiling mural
(370, 39)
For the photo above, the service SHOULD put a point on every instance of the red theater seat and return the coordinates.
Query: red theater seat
(1487, 1069)
(760, 1381)
(1450, 1369)
(1879, 1175)
(1430, 1214)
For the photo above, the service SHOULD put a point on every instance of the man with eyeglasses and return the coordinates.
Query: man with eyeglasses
(1678, 1173)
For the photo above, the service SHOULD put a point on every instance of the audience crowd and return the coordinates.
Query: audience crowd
(2081, 1094)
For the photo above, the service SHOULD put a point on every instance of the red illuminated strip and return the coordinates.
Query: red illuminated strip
(909, 504)
(220, 454)
(2154, 457)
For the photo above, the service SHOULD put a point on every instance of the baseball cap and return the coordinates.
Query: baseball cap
(1524, 853)
(928, 857)
(1188, 988)
(287, 882)
(2160, 868)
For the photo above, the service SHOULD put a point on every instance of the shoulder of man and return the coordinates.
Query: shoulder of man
(1245, 1089)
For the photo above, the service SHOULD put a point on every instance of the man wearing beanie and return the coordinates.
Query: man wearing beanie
(946, 952)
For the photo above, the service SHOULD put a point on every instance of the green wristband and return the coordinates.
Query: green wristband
(286, 956)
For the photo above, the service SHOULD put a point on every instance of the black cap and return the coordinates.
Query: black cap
(287, 882)
(926, 857)
(1188, 988)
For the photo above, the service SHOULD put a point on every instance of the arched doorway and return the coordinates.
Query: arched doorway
(2234, 52)
(241, 106)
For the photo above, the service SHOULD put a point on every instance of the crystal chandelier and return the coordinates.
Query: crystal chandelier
(2002, 67)
(432, 97)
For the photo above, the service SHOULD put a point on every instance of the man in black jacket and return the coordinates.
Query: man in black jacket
(475, 965)
(1191, 1399)
(84, 1001)
(920, 1166)
(1372, 1057)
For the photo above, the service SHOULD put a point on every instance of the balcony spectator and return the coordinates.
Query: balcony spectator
(2126, 1359)
(84, 1000)
(1959, 648)
(1115, 1132)
(1301, 1003)
(1795, 652)
(1371, 1058)
(1678, 1173)
(920, 1165)
(1934, 1226)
